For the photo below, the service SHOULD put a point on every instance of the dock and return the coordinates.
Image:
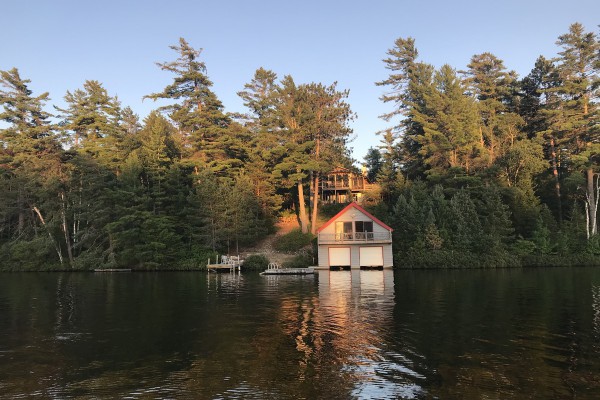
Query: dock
(222, 267)
(276, 269)
(226, 264)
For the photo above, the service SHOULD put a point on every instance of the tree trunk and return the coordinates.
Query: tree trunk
(313, 225)
(56, 246)
(556, 180)
(311, 191)
(302, 208)
(65, 228)
(21, 222)
(591, 203)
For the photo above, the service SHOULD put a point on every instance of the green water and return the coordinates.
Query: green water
(368, 334)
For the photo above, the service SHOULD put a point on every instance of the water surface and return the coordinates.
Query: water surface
(364, 334)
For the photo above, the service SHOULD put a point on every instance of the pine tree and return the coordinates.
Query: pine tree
(91, 123)
(538, 107)
(265, 147)
(575, 120)
(410, 82)
(450, 138)
(197, 112)
(326, 123)
(32, 175)
(495, 90)
(373, 163)
(313, 120)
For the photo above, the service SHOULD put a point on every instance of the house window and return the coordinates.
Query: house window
(364, 229)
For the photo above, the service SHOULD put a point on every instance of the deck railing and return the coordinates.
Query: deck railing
(356, 237)
(354, 184)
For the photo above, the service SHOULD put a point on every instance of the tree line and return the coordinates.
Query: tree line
(478, 165)
(89, 185)
(479, 162)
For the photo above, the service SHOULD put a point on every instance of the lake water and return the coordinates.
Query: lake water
(472, 334)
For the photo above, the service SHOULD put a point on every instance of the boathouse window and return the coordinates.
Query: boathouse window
(364, 229)
(343, 230)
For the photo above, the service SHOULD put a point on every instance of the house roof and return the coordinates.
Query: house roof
(359, 208)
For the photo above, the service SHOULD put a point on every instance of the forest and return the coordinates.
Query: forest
(479, 167)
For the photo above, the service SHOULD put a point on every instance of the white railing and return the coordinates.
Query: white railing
(355, 237)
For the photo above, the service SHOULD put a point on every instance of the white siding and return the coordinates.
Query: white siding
(388, 256)
(323, 256)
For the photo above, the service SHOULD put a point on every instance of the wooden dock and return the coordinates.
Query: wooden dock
(222, 267)
(227, 263)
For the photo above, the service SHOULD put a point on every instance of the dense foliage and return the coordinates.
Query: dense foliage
(93, 187)
(478, 166)
(483, 168)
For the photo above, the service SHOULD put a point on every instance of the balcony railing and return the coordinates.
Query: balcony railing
(357, 237)
(356, 186)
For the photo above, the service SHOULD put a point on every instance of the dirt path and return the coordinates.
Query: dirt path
(266, 246)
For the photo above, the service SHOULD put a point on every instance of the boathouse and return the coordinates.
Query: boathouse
(354, 239)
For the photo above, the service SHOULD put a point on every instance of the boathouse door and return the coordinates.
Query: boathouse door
(339, 256)
(371, 256)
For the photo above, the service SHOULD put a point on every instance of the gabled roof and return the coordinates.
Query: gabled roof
(359, 208)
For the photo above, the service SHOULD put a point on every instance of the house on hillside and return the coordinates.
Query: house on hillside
(353, 239)
(343, 186)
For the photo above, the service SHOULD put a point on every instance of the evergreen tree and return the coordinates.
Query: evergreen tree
(314, 120)
(537, 106)
(265, 147)
(373, 163)
(390, 176)
(449, 137)
(495, 90)
(575, 121)
(197, 112)
(31, 172)
(91, 123)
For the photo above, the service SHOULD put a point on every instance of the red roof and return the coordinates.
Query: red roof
(359, 208)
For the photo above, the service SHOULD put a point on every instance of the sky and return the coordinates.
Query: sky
(59, 44)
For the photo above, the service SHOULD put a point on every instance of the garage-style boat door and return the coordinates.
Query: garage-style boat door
(371, 256)
(339, 256)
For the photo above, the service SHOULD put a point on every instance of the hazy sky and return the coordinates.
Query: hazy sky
(59, 44)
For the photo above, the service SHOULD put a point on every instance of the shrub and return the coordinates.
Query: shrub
(37, 254)
(447, 259)
(556, 260)
(293, 241)
(256, 262)
(523, 247)
(329, 210)
(302, 260)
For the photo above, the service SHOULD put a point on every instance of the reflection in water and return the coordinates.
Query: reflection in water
(357, 309)
(344, 334)
(596, 308)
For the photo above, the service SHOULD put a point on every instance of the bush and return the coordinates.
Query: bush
(523, 247)
(196, 259)
(302, 260)
(329, 210)
(556, 260)
(37, 254)
(256, 262)
(293, 241)
(447, 259)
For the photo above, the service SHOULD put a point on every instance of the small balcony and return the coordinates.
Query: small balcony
(356, 237)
